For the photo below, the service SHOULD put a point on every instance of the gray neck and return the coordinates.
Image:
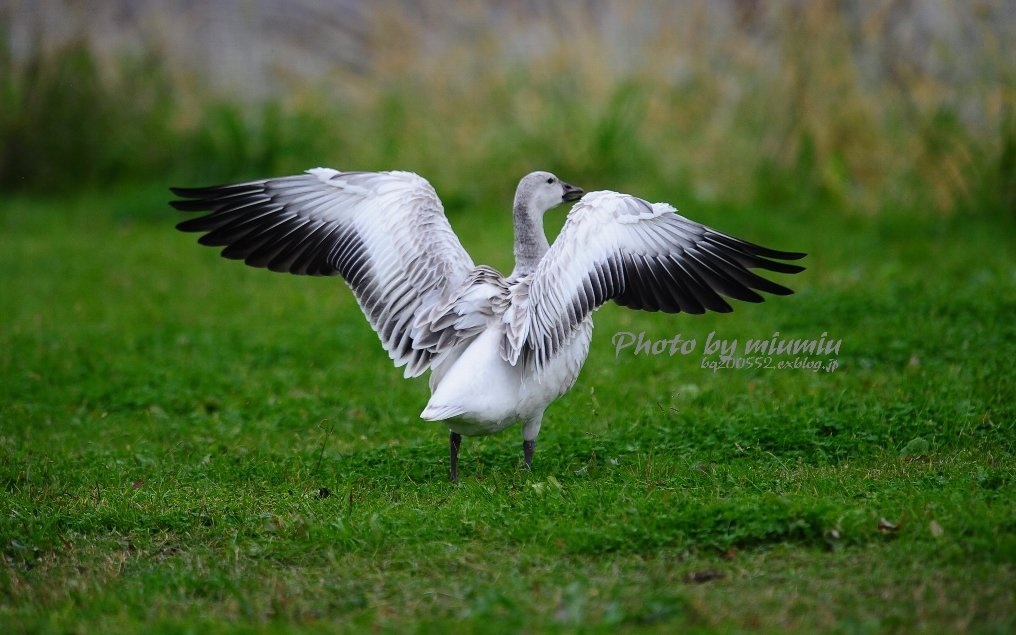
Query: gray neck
(530, 240)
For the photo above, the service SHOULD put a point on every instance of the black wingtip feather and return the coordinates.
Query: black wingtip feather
(189, 205)
(779, 289)
(765, 252)
(248, 222)
(778, 267)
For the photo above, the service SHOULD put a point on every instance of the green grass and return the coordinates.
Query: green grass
(190, 445)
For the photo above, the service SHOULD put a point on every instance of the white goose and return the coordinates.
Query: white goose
(500, 350)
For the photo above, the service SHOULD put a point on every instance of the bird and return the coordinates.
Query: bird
(499, 349)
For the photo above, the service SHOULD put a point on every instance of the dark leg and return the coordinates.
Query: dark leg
(528, 447)
(454, 441)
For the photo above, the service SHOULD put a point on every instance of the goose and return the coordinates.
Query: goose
(499, 349)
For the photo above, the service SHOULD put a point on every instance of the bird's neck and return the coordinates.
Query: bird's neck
(530, 240)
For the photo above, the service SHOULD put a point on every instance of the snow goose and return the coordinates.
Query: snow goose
(499, 349)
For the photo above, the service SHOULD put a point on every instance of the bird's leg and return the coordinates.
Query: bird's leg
(530, 429)
(528, 447)
(454, 441)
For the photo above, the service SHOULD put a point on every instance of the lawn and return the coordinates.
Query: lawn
(191, 445)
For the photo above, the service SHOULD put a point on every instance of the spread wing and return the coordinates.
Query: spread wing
(385, 233)
(640, 255)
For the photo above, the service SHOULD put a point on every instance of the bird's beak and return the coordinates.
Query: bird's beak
(571, 193)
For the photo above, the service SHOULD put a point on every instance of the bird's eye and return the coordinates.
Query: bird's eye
(550, 180)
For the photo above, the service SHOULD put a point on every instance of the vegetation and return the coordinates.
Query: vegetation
(190, 445)
(856, 125)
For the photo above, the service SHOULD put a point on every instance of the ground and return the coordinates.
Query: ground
(188, 444)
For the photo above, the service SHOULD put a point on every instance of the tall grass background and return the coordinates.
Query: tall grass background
(856, 107)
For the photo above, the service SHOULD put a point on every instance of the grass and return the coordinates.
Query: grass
(189, 445)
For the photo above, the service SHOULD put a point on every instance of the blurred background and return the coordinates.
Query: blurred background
(863, 107)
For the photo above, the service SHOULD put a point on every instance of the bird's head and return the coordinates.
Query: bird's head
(541, 191)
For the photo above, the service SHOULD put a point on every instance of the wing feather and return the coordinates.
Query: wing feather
(385, 233)
(640, 255)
